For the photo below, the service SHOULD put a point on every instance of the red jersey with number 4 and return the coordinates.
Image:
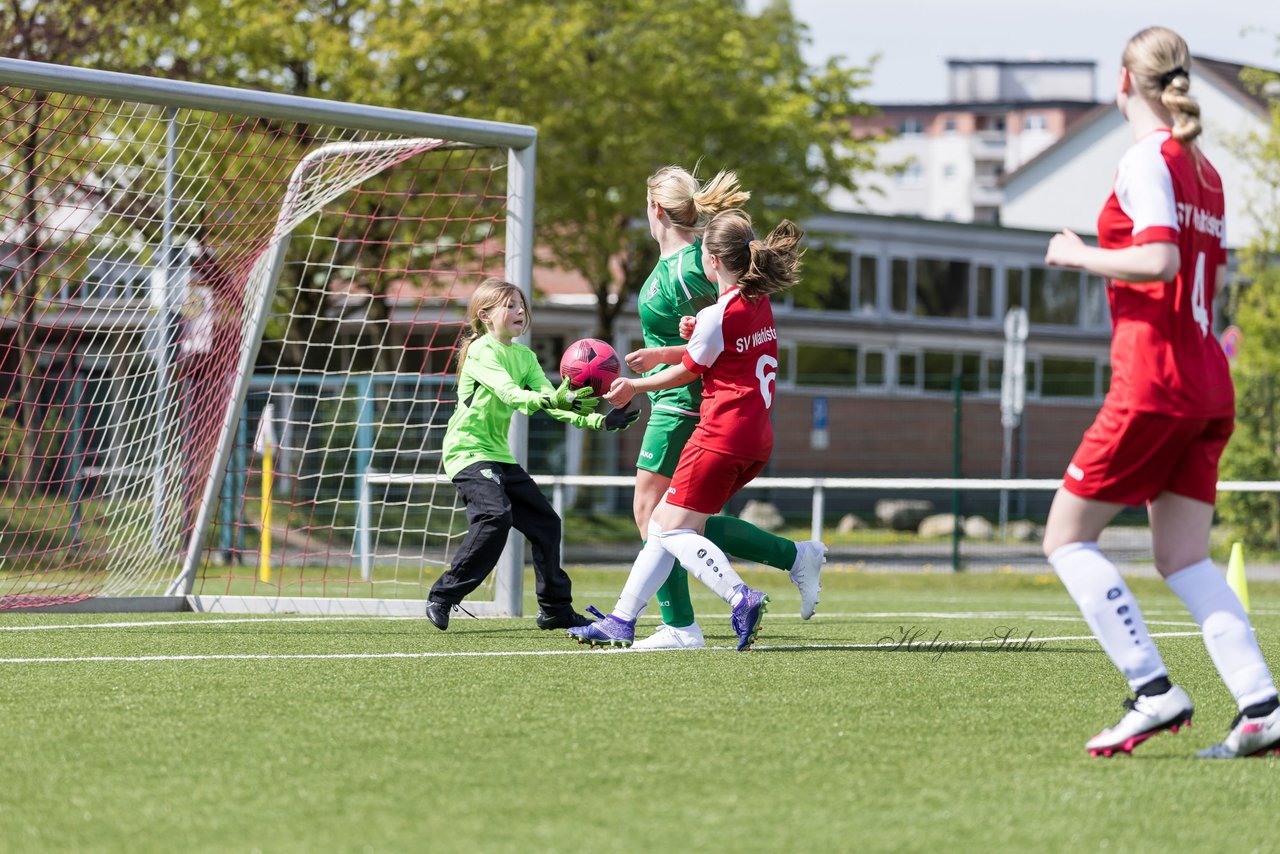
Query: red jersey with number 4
(1164, 356)
(735, 349)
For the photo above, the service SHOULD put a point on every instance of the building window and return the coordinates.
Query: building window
(949, 127)
(1096, 312)
(1063, 377)
(786, 359)
(1054, 296)
(949, 170)
(993, 374)
(942, 288)
(1034, 121)
(828, 286)
(1014, 297)
(909, 371)
(984, 296)
(910, 127)
(939, 366)
(912, 173)
(868, 284)
(826, 365)
(874, 368)
(900, 282)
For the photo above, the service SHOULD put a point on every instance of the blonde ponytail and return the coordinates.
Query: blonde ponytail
(1183, 108)
(720, 194)
(689, 206)
(1160, 62)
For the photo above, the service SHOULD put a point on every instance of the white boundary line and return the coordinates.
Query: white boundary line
(186, 621)
(918, 647)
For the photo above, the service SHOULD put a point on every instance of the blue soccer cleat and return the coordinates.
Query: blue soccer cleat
(609, 631)
(747, 616)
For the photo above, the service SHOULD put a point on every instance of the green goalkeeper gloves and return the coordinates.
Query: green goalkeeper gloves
(570, 400)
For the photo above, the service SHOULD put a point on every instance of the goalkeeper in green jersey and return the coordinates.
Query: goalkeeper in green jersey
(496, 378)
(677, 206)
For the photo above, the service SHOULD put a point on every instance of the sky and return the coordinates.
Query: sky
(914, 38)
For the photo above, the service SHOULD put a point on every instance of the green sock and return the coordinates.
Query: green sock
(743, 540)
(673, 599)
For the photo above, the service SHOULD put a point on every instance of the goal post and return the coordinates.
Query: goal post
(184, 267)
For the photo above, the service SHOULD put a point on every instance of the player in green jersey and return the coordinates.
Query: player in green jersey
(496, 378)
(676, 207)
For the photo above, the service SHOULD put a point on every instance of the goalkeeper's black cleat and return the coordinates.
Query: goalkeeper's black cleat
(562, 620)
(438, 614)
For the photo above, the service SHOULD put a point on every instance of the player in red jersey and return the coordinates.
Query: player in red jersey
(1167, 416)
(734, 348)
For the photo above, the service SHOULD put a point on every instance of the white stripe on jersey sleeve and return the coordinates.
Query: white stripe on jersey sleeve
(707, 342)
(1144, 187)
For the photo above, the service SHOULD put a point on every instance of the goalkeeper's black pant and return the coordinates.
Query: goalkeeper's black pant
(499, 497)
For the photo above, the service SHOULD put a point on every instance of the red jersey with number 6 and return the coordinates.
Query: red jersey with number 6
(735, 349)
(1164, 356)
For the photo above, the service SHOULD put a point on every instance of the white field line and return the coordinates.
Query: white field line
(916, 647)
(871, 615)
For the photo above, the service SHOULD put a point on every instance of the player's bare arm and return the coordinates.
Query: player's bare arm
(624, 389)
(647, 358)
(1148, 262)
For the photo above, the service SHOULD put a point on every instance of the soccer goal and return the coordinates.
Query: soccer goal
(229, 319)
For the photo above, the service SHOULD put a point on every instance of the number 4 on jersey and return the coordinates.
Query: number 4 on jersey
(1199, 313)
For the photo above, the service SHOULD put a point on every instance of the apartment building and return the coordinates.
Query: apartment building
(945, 161)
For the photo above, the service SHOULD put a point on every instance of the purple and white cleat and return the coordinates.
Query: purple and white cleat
(607, 631)
(747, 616)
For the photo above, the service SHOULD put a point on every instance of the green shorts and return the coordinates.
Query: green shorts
(664, 438)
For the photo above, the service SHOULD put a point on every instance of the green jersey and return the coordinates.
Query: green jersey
(676, 287)
(497, 380)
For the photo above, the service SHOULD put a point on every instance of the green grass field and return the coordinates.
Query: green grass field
(197, 732)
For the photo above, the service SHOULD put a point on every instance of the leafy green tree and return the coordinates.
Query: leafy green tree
(1254, 450)
(616, 90)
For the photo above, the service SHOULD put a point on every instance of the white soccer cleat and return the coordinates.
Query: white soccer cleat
(806, 572)
(671, 637)
(1147, 716)
(1248, 737)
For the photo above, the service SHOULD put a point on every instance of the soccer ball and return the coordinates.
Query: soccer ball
(590, 362)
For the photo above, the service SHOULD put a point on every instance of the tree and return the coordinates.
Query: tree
(616, 90)
(1254, 450)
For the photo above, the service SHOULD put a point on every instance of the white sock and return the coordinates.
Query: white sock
(651, 568)
(1227, 633)
(1110, 610)
(703, 559)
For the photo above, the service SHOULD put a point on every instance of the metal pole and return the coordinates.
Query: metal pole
(166, 327)
(1006, 463)
(819, 510)
(78, 451)
(955, 472)
(364, 457)
(225, 99)
(557, 504)
(508, 590)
